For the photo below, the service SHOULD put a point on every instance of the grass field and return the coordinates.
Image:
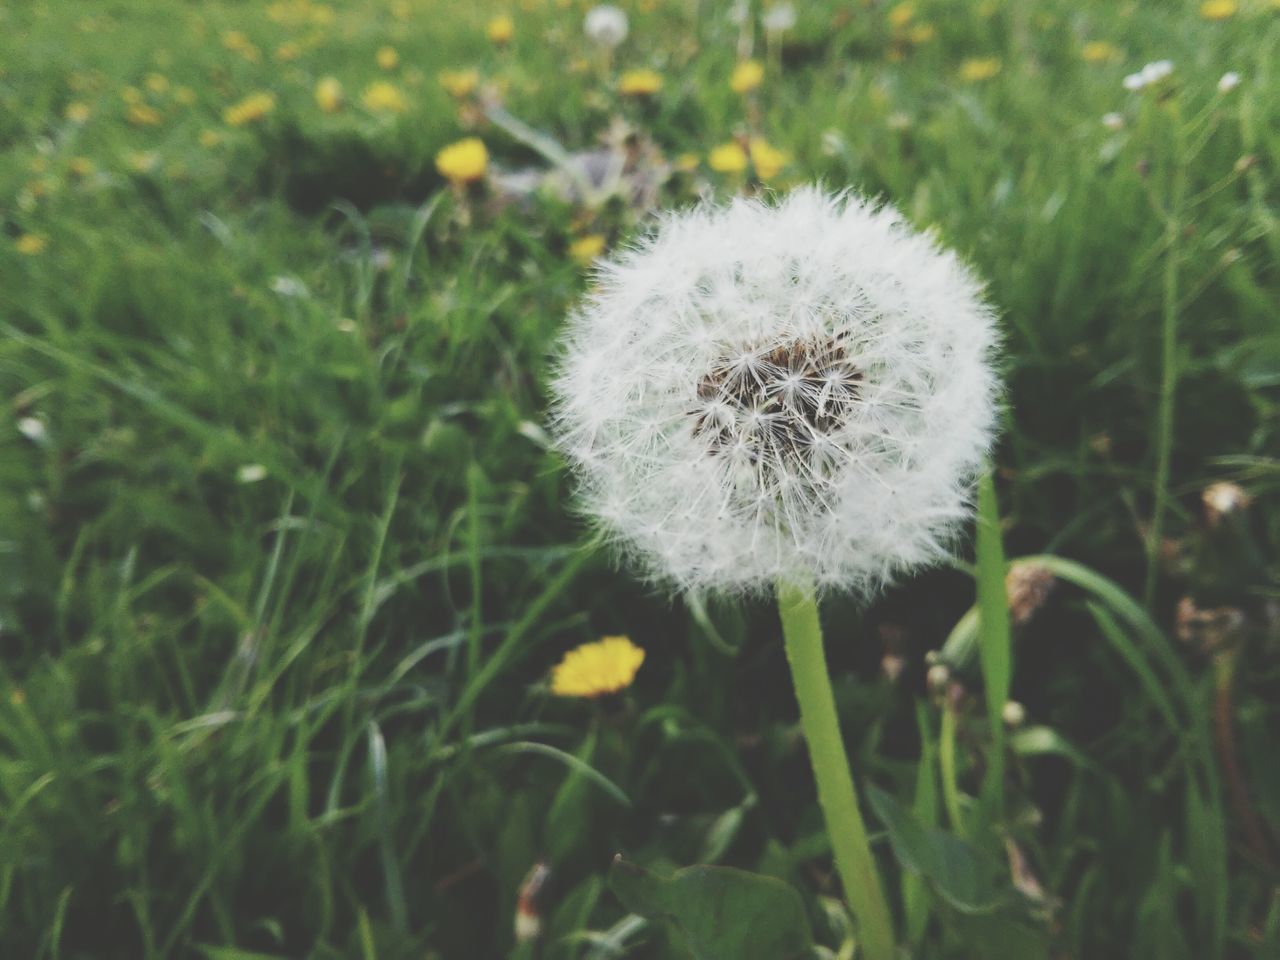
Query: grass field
(286, 558)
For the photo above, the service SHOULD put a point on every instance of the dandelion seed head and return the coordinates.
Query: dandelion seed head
(605, 25)
(767, 391)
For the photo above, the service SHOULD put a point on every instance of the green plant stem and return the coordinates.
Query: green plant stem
(798, 607)
(947, 767)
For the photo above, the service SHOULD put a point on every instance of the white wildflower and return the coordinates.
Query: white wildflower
(33, 429)
(287, 286)
(605, 25)
(1149, 75)
(1229, 82)
(758, 392)
(251, 473)
(1113, 121)
(779, 18)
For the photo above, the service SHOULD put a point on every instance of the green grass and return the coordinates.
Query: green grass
(284, 563)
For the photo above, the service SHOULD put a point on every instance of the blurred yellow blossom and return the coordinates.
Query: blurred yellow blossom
(1218, 9)
(587, 248)
(131, 95)
(746, 76)
(768, 160)
(288, 51)
(459, 83)
(596, 669)
(143, 115)
(157, 83)
(32, 243)
(185, 96)
(235, 40)
(639, 83)
(901, 15)
(143, 161)
(687, 162)
(500, 29)
(249, 110)
(80, 166)
(387, 58)
(329, 94)
(1099, 51)
(464, 161)
(77, 112)
(383, 97)
(979, 68)
(728, 158)
(210, 138)
(922, 33)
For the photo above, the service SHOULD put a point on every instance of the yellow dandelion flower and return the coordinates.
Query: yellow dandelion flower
(383, 97)
(1218, 9)
(728, 158)
(322, 15)
(687, 162)
(387, 58)
(464, 161)
(500, 30)
(143, 115)
(767, 159)
(288, 51)
(329, 94)
(901, 15)
(31, 244)
(185, 96)
(922, 33)
(77, 112)
(640, 83)
(459, 83)
(596, 669)
(236, 41)
(210, 138)
(587, 248)
(401, 10)
(131, 95)
(80, 166)
(746, 76)
(979, 68)
(142, 161)
(157, 83)
(1099, 51)
(249, 110)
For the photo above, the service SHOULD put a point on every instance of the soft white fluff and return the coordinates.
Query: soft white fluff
(605, 25)
(794, 390)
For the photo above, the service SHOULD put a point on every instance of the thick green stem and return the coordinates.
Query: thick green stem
(799, 609)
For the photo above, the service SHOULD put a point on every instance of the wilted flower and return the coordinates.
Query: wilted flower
(769, 393)
(779, 18)
(979, 68)
(249, 110)
(728, 158)
(329, 94)
(464, 161)
(640, 83)
(1150, 74)
(605, 25)
(383, 97)
(500, 30)
(1228, 82)
(746, 76)
(595, 669)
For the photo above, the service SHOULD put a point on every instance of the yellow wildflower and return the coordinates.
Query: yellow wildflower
(728, 158)
(31, 244)
(767, 159)
(210, 138)
(401, 10)
(1218, 9)
(464, 161)
(596, 669)
(979, 68)
(77, 112)
(500, 30)
(387, 58)
(459, 83)
(157, 83)
(80, 166)
(639, 83)
(131, 95)
(249, 110)
(288, 51)
(143, 161)
(383, 97)
(585, 249)
(901, 15)
(235, 40)
(185, 96)
(329, 94)
(1099, 51)
(922, 33)
(746, 76)
(687, 162)
(143, 115)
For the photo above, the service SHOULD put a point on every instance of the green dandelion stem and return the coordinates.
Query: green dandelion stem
(798, 607)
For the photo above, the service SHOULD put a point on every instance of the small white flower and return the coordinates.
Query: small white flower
(1113, 121)
(1134, 81)
(760, 392)
(1149, 75)
(1229, 82)
(605, 25)
(251, 473)
(33, 429)
(288, 286)
(779, 18)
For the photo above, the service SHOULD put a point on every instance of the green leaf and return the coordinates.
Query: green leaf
(722, 913)
(963, 875)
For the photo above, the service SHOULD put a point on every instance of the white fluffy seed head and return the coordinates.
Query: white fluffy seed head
(605, 25)
(798, 390)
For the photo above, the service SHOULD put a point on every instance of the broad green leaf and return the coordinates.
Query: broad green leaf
(722, 913)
